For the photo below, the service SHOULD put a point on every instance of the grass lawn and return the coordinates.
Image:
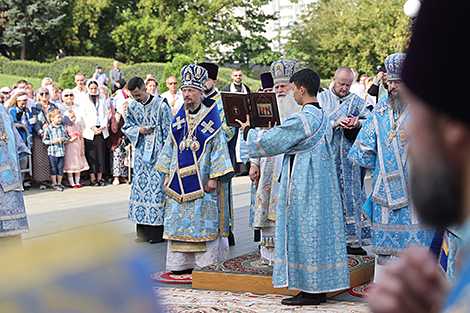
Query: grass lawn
(9, 80)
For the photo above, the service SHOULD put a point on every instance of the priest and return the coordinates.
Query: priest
(147, 125)
(382, 146)
(347, 112)
(13, 219)
(310, 250)
(265, 171)
(195, 160)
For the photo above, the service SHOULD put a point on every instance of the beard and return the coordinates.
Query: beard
(286, 104)
(436, 190)
(189, 105)
(396, 102)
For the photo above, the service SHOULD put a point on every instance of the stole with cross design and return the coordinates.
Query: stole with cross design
(186, 182)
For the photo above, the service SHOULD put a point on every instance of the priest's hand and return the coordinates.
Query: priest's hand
(211, 185)
(254, 172)
(165, 183)
(145, 131)
(341, 122)
(409, 284)
(244, 125)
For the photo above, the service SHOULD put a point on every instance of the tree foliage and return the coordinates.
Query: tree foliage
(161, 29)
(353, 33)
(28, 21)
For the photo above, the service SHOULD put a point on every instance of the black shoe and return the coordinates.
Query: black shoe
(102, 182)
(183, 272)
(323, 297)
(152, 241)
(231, 239)
(95, 183)
(356, 251)
(303, 298)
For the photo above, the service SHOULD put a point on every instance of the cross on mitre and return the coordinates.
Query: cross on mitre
(207, 127)
(178, 122)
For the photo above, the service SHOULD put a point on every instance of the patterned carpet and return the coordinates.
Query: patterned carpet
(177, 300)
(249, 264)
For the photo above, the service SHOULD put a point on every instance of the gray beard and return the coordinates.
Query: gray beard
(189, 106)
(396, 102)
(287, 105)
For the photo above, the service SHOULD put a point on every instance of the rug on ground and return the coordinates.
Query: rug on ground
(175, 300)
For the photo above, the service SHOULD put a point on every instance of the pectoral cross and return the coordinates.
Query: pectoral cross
(207, 127)
(178, 122)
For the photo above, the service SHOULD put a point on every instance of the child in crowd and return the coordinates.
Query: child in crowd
(75, 161)
(55, 137)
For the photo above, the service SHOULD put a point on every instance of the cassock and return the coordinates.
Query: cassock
(357, 228)
(147, 194)
(381, 146)
(13, 220)
(310, 249)
(230, 135)
(195, 225)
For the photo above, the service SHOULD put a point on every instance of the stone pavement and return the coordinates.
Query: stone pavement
(51, 212)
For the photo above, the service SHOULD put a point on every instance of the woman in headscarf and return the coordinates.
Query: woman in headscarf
(41, 169)
(70, 104)
(54, 94)
(94, 113)
(46, 82)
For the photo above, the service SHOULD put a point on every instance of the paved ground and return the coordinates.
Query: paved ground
(52, 212)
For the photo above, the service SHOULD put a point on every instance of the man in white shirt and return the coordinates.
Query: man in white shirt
(79, 90)
(174, 96)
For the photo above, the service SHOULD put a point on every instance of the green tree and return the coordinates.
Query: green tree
(173, 68)
(25, 21)
(161, 29)
(354, 33)
(67, 77)
(86, 31)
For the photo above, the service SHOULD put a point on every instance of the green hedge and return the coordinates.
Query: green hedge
(87, 66)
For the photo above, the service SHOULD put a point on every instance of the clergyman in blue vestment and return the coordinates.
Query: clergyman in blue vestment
(310, 250)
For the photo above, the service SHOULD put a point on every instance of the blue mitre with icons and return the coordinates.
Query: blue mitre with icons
(193, 76)
(394, 65)
(283, 70)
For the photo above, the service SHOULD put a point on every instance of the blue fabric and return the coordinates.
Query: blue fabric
(310, 249)
(10, 153)
(395, 223)
(349, 174)
(187, 184)
(56, 165)
(458, 297)
(198, 219)
(27, 115)
(13, 220)
(147, 195)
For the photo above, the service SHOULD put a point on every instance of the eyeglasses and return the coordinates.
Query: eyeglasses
(70, 95)
(44, 93)
(173, 83)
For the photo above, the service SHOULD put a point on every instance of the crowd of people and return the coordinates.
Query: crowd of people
(308, 200)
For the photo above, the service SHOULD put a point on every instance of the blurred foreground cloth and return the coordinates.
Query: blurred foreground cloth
(80, 271)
